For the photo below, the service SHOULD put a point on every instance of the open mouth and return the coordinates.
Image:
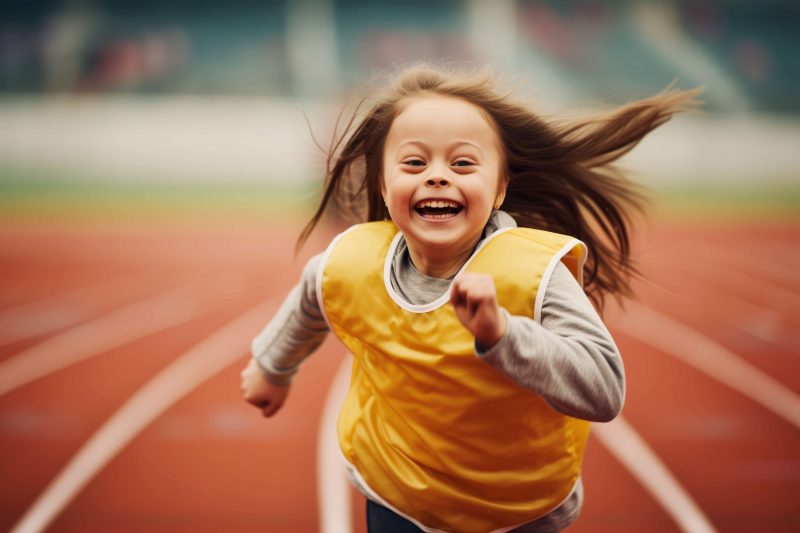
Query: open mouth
(438, 209)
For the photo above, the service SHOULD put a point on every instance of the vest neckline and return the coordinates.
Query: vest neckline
(444, 298)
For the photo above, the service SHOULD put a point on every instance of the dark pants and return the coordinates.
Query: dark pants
(383, 520)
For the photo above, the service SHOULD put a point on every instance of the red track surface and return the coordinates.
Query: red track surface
(211, 463)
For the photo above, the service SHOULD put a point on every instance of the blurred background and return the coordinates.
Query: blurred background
(151, 94)
(157, 162)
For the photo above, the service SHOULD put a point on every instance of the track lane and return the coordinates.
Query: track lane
(767, 352)
(257, 474)
(108, 331)
(701, 301)
(194, 470)
(43, 424)
(183, 375)
(756, 252)
(255, 281)
(718, 443)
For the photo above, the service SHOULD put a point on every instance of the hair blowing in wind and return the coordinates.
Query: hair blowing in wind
(560, 173)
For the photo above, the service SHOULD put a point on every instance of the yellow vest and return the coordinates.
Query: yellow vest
(434, 432)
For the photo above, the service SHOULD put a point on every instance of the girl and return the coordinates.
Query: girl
(479, 360)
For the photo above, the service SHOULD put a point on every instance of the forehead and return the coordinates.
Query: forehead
(442, 116)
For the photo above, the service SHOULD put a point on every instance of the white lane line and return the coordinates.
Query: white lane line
(200, 363)
(753, 319)
(54, 311)
(624, 443)
(91, 338)
(333, 488)
(779, 282)
(682, 342)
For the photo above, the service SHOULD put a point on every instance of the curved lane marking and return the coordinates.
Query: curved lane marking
(695, 349)
(333, 488)
(54, 311)
(756, 320)
(767, 293)
(200, 363)
(104, 333)
(628, 447)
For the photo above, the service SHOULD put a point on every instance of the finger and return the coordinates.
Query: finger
(475, 300)
(461, 300)
(257, 401)
(473, 307)
(457, 293)
(469, 276)
(271, 409)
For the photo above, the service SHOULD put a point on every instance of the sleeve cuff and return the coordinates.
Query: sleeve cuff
(276, 376)
(484, 351)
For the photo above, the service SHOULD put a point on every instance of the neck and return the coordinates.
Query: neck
(443, 263)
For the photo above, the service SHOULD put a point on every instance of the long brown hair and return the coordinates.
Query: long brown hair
(560, 175)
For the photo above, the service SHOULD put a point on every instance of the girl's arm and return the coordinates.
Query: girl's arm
(570, 359)
(296, 330)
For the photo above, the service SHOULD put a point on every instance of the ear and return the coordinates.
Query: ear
(501, 193)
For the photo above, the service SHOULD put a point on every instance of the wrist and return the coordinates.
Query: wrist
(488, 340)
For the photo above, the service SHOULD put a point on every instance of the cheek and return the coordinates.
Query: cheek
(483, 191)
(397, 190)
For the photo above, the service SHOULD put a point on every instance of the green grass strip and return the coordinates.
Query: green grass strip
(731, 202)
(93, 200)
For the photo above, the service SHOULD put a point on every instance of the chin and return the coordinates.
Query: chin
(438, 242)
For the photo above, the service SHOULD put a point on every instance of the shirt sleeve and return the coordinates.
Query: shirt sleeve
(569, 359)
(296, 330)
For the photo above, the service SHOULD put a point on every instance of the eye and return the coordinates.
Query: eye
(463, 163)
(414, 162)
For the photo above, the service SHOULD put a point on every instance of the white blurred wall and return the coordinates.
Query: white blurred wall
(172, 139)
(253, 140)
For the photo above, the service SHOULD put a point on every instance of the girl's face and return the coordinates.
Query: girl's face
(441, 174)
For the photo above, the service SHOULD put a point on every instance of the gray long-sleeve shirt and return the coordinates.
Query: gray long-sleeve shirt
(569, 359)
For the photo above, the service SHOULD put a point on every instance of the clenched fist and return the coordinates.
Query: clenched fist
(260, 392)
(475, 300)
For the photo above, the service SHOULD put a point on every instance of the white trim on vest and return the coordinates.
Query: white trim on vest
(444, 298)
(361, 485)
(324, 261)
(548, 272)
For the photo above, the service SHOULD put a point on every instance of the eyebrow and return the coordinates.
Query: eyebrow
(450, 146)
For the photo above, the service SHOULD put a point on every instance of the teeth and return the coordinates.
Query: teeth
(439, 204)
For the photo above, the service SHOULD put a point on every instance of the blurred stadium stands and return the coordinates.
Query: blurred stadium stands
(209, 90)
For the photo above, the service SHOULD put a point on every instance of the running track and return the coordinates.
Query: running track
(121, 346)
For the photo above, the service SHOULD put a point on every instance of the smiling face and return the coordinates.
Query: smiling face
(441, 177)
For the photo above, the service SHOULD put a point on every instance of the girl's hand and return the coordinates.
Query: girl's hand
(475, 299)
(260, 392)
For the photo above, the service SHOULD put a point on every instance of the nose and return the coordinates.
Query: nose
(437, 182)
